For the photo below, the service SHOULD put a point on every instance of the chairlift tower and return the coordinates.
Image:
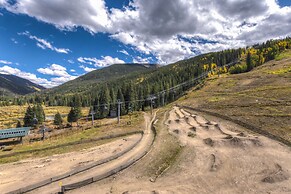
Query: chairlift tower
(118, 110)
(92, 113)
(152, 98)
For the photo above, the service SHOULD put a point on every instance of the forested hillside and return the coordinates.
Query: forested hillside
(89, 80)
(136, 89)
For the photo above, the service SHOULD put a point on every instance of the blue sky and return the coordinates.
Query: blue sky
(51, 42)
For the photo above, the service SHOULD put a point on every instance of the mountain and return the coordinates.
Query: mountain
(13, 85)
(135, 84)
(107, 74)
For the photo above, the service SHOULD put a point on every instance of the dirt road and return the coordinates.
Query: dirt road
(125, 159)
(217, 157)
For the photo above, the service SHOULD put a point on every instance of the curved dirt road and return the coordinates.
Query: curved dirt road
(103, 169)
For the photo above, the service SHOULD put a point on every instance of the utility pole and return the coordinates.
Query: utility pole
(118, 110)
(92, 115)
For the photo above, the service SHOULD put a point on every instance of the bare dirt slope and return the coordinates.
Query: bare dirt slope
(217, 156)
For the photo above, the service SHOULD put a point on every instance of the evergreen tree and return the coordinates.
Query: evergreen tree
(104, 100)
(249, 62)
(39, 113)
(74, 114)
(58, 119)
(28, 117)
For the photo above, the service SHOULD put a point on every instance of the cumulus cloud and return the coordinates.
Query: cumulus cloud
(43, 44)
(3, 3)
(55, 70)
(156, 27)
(90, 14)
(60, 73)
(104, 62)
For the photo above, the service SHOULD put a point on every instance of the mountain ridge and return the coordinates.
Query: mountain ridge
(14, 85)
(105, 74)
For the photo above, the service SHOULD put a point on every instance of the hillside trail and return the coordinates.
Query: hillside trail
(123, 160)
(217, 157)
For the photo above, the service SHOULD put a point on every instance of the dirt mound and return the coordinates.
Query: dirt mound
(242, 142)
(235, 141)
(208, 141)
(278, 175)
(193, 129)
(191, 134)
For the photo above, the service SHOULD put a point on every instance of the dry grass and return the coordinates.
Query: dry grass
(103, 127)
(9, 115)
(260, 97)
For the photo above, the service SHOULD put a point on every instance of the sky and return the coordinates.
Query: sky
(52, 42)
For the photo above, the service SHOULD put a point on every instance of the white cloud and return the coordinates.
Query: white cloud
(43, 44)
(156, 27)
(61, 80)
(71, 61)
(29, 76)
(141, 60)
(54, 70)
(5, 62)
(73, 70)
(2, 3)
(60, 72)
(104, 62)
(87, 69)
(124, 52)
(14, 40)
(92, 15)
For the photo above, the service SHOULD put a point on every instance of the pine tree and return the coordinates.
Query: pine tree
(39, 113)
(74, 114)
(28, 117)
(58, 119)
(104, 100)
